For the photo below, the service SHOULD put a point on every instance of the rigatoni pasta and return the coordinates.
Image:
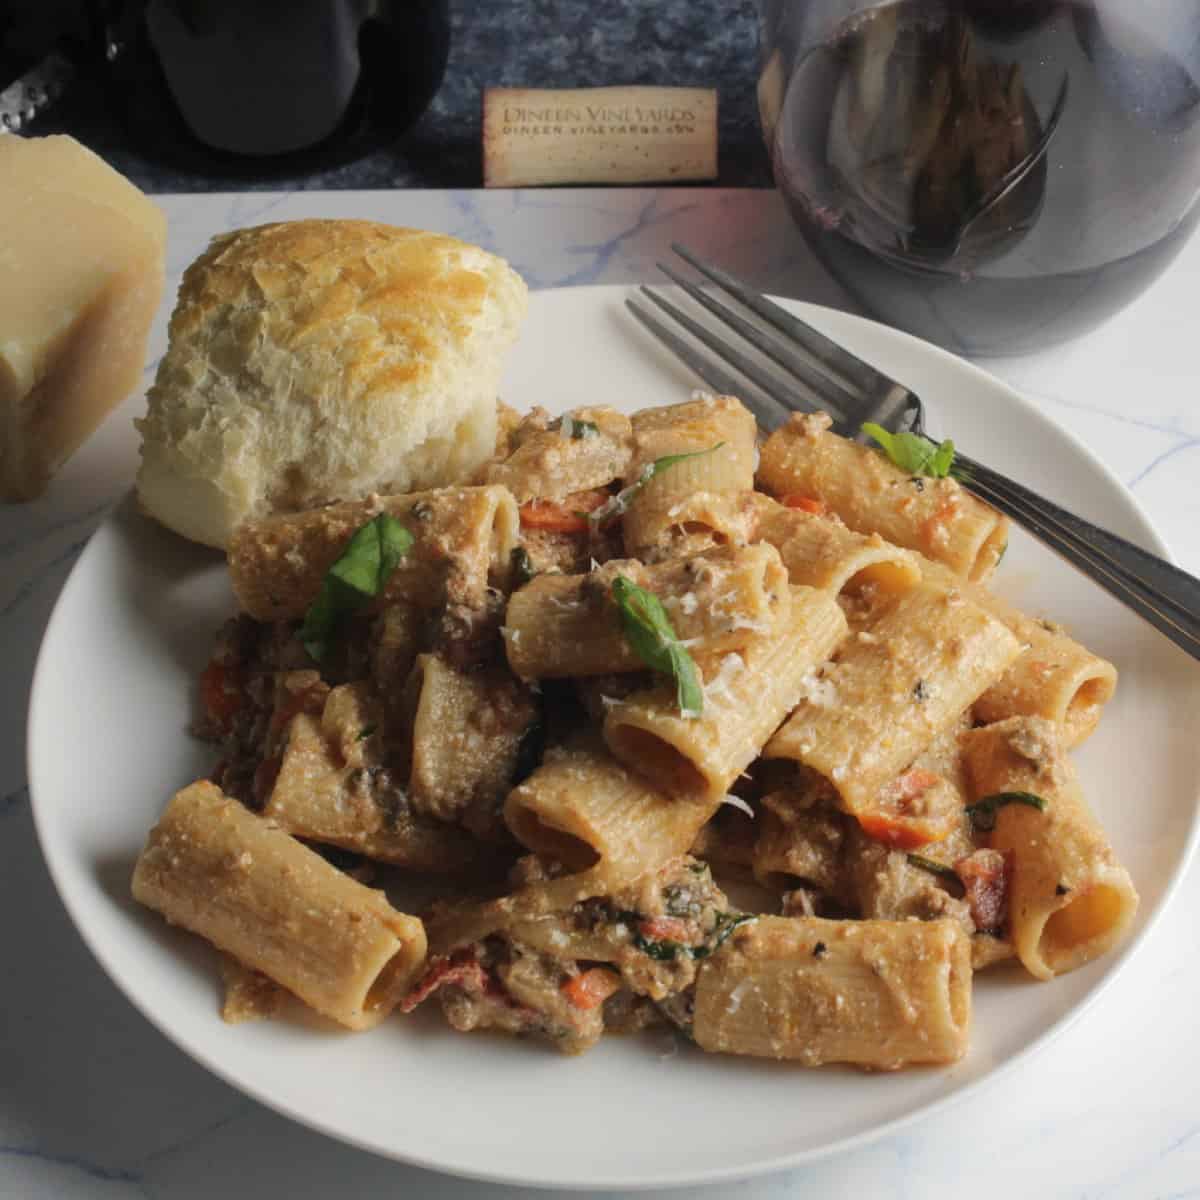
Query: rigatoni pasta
(462, 536)
(584, 809)
(563, 626)
(746, 696)
(1070, 900)
(554, 457)
(821, 552)
(590, 724)
(872, 495)
(717, 434)
(276, 906)
(892, 690)
(879, 994)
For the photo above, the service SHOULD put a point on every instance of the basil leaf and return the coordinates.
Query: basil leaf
(941, 870)
(621, 501)
(983, 812)
(648, 631)
(359, 575)
(913, 453)
(727, 922)
(665, 950)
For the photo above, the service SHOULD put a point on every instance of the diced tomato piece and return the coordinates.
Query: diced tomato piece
(562, 516)
(985, 876)
(591, 988)
(664, 929)
(221, 694)
(463, 969)
(895, 825)
(807, 504)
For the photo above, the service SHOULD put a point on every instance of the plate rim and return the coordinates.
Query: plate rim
(1148, 536)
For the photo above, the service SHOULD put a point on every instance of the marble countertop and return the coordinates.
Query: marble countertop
(95, 1104)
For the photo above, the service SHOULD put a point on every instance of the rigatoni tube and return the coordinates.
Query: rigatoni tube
(337, 790)
(1070, 900)
(586, 448)
(878, 994)
(892, 689)
(746, 696)
(873, 495)
(719, 426)
(461, 535)
(586, 810)
(820, 551)
(1055, 677)
(255, 892)
(568, 625)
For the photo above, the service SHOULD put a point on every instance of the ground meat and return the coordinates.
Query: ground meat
(497, 984)
(680, 1009)
(467, 636)
(658, 928)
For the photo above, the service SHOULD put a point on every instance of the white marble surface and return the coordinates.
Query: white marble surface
(95, 1104)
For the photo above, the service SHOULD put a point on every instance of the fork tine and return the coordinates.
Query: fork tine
(768, 416)
(753, 371)
(827, 387)
(852, 368)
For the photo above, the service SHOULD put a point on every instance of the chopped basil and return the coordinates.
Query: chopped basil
(727, 922)
(820, 950)
(621, 501)
(522, 566)
(660, 951)
(573, 427)
(941, 870)
(665, 950)
(358, 576)
(366, 731)
(983, 812)
(648, 631)
(921, 691)
(1003, 552)
(913, 453)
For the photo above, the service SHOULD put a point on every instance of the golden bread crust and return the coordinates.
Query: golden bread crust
(320, 360)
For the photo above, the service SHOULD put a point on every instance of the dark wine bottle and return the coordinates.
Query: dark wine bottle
(270, 86)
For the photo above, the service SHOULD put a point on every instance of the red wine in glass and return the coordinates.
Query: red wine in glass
(993, 176)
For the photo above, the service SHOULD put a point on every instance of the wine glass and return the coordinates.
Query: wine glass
(993, 175)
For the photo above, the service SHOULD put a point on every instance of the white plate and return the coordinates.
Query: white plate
(107, 747)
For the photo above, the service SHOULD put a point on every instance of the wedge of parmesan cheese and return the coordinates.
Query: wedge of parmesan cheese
(81, 276)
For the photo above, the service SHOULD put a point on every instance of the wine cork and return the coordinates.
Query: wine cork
(533, 137)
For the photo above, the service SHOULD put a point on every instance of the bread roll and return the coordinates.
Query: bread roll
(313, 361)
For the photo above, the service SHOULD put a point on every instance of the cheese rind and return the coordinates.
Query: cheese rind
(81, 277)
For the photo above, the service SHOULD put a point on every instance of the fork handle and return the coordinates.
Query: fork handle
(1157, 590)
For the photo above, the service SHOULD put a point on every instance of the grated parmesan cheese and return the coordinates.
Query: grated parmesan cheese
(738, 803)
(732, 665)
(818, 691)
